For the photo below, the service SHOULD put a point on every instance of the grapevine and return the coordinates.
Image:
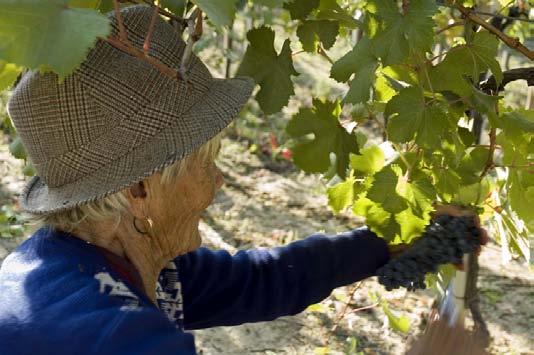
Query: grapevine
(445, 240)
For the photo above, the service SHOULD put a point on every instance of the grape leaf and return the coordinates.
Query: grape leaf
(361, 62)
(411, 226)
(466, 60)
(220, 12)
(300, 9)
(396, 34)
(8, 74)
(270, 70)
(17, 149)
(384, 190)
(177, 7)
(330, 10)
(447, 182)
(413, 117)
(370, 160)
(341, 195)
(521, 194)
(516, 123)
(311, 32)
(376, 218)
(398, 323)
(419, 193)
(49, 34)
(322, 120)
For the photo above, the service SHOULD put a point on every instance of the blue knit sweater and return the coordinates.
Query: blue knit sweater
(61, 295)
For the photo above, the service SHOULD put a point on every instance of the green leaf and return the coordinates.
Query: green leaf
(8, 74)
(411, 226)
(39, 34)
(447, 182)
(269, 3)
(398, 323)
(177, 7)
(383, 89)
(330, 10)
(220, 12)
(377, 219)
(86, 4)
(419, 193)
(361, 62)
(270, 70)
(413, 117)
(341, 195)
(467, 61)
(17, 149)
(322, 120)
(384, 190)
(473, 194)
(311, 32)
(398, 34)
(517, 123)
(300, 9)
(369, 161)
(521, 194)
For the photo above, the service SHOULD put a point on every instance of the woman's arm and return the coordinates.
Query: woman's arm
(263, 284)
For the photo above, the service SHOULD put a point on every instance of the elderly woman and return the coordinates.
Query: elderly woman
(125, 161)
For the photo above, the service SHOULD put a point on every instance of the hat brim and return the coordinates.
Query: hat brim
(215, 110)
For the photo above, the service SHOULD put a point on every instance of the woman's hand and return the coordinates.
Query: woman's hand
(451, 210)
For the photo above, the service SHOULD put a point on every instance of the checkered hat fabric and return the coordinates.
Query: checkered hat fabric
(117, 119)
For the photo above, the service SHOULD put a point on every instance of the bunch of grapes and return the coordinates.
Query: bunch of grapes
(444, 241)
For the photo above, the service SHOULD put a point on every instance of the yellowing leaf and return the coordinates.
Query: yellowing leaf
(341, 195)
(318, 308)
(398, 323)
(369, 161)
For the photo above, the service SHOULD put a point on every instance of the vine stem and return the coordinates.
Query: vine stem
(344, 311)
(146, 45)
(449, 26)
(122, 30)
(491, 151)
(322, 52)
(180, 20)
(513, 43)
(136, 52)
(194, 26)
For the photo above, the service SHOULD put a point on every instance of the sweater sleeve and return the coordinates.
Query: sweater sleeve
(263, 284)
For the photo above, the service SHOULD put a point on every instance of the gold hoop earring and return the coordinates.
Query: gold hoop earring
(148, 221)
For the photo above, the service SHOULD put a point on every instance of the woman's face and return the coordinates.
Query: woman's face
(178, 206)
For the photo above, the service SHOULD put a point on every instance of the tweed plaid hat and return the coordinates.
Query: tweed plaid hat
(117, 119)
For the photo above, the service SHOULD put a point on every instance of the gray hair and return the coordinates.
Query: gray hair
(114, 206)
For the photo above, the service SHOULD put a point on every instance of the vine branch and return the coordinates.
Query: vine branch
(490, 84)
(146, 45)
(136, 52)
(489, 163)
(513, 43)
(122, 30)
(194, 26)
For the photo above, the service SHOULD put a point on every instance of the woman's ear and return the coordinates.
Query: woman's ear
(138, 190)
(136, 195)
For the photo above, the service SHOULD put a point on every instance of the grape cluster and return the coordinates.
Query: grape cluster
(444, 241)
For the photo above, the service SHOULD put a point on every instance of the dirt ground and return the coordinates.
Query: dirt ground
(264, 204)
